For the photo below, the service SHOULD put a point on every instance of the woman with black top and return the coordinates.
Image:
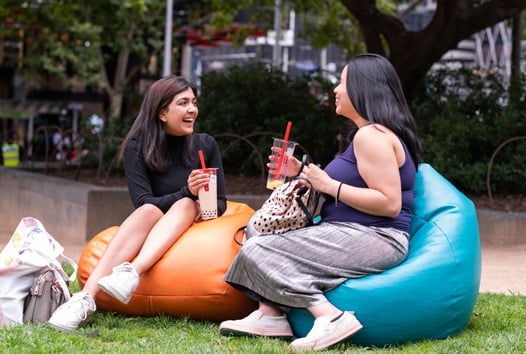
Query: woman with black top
(162, 166)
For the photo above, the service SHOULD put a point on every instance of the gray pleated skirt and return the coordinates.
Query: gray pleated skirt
(296, 268)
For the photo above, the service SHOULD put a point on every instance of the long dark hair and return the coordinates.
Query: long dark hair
(147, 128)
(376, 93)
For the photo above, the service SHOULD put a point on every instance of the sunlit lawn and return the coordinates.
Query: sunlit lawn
(498, 325)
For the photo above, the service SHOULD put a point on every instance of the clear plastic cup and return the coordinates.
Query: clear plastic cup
(273, 180)
(208, 196)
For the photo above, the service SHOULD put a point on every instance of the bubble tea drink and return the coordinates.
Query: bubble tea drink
(208, 196)
(277, 178)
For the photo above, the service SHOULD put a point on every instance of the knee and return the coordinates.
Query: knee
(184, 206)
(148, 209)
(185, 203)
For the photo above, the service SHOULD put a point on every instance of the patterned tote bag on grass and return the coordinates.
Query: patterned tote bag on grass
(29, 251)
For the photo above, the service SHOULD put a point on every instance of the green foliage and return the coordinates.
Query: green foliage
(255, 99)
(463, 116)
(325, 27)
(80, 41)
(71, 56)
(324, 22)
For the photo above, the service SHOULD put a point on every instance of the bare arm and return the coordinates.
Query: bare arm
(378, 165)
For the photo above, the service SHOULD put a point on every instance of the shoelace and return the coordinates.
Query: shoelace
(127, 276)
(125, 269)
(86, 305)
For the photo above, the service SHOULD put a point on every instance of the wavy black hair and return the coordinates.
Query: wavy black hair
(376, 93)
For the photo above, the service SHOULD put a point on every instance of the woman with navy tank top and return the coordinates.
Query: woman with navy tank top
(365, 218)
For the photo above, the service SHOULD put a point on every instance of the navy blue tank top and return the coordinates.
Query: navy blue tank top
(344, 169)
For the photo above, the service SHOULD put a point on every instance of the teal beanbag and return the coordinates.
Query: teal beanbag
(430, 295)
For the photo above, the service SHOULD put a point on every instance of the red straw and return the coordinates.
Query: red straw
(203, 165)
(202, 159)
(283, 149)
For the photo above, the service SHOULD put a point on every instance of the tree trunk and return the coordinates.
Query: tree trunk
(119, 83)
(115, 108)
(413, 53)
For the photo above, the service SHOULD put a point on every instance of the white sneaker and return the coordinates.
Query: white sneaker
(326, 332)
(257, 324)
(72, 313)
(121, 283)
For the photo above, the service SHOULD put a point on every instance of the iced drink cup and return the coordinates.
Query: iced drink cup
(274, 181)
(208, 196)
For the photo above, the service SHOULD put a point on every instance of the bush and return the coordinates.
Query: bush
(463, 116)
(256, 102)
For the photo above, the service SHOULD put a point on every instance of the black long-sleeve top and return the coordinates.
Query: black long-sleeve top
(162, 189)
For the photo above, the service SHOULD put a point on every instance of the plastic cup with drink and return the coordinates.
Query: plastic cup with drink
(208, 194)
(277, 177)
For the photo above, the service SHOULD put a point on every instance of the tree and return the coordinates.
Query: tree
(90, 42)
(413, 53)
(102, 43)
(376, 27)
(107, 43)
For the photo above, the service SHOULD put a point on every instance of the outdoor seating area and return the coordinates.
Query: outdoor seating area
(431, 295)
(263, 177)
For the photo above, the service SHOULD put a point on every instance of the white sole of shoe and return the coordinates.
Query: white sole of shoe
(61, 327)
(113, 292)
(327, 342)
(241, 331)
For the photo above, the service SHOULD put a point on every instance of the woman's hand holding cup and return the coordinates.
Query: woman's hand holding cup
(290, 169)
(197, 180)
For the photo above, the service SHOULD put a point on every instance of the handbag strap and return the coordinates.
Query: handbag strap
(305, 160)
(305, 210)
(302, 205)
(59, 276)
(242, 228)
(72, 263)
(306, 180)
(57, 263)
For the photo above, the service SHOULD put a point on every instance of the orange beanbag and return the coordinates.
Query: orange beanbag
(188, 280)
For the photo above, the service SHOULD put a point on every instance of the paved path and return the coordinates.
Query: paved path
(503, 268)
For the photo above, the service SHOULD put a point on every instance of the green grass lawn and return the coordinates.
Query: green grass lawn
(498, 325)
